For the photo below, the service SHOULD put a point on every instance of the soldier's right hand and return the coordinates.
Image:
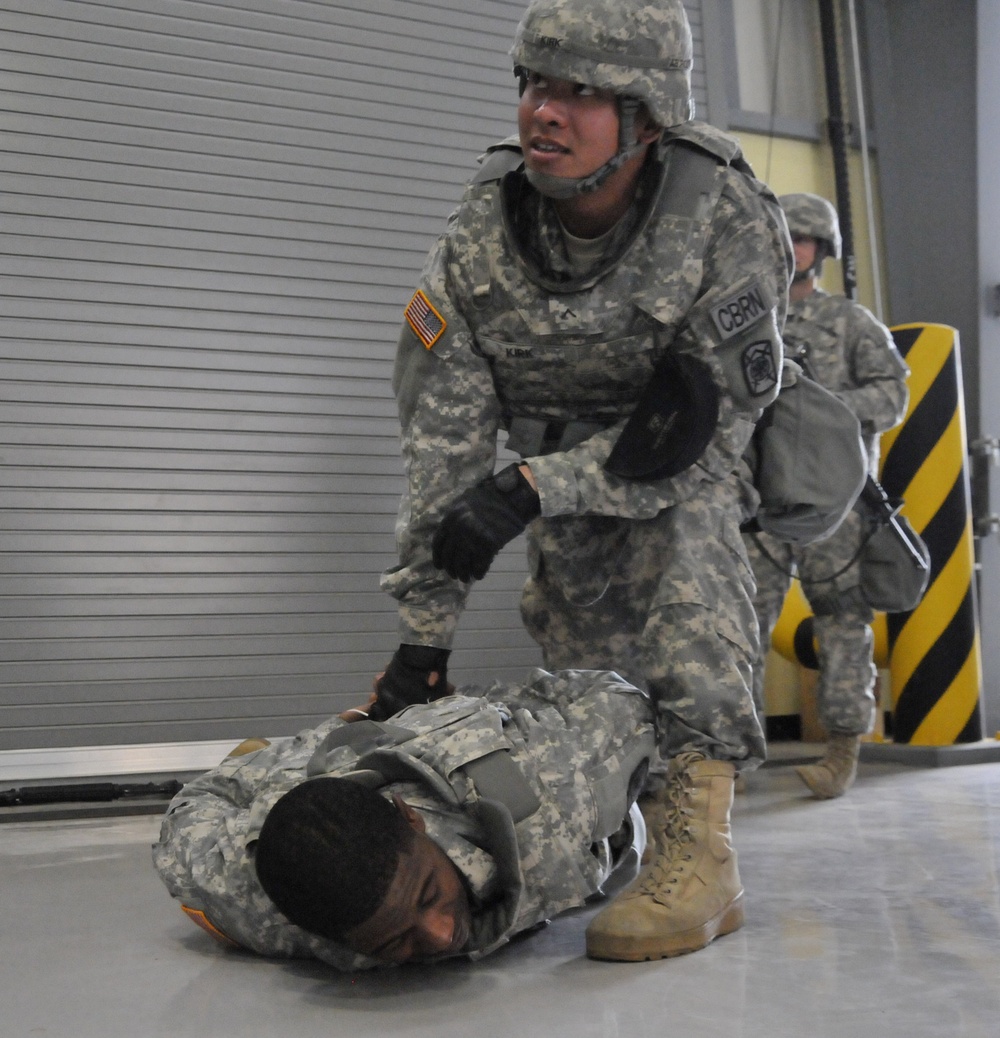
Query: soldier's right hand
(482, 520)
(416, 674)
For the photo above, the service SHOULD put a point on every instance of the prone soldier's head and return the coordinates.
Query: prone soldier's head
(811, 217)
(344, 862)
(637, 52)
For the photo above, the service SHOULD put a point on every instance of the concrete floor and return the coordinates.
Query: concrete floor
(877, 914)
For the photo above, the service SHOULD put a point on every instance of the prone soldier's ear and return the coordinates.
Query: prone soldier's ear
(414, 819)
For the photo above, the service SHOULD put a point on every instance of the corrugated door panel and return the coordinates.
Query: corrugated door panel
(214, 213)
(699, 88)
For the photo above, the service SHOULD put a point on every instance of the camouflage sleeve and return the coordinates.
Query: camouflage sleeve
(748, 254)
(450, 417)
(879, 395)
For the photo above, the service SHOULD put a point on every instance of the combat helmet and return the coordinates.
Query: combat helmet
(812, 216)
(639, 50)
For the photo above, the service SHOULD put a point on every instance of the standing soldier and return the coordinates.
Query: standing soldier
(610, 292)
(849, 352)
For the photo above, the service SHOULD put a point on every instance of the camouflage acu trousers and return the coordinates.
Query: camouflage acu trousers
(841, 624)
(666, 602)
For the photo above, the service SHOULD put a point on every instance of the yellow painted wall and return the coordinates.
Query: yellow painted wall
(787, 166)
(790, 165)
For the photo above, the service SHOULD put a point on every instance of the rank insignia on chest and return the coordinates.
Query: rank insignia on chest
(427, 324)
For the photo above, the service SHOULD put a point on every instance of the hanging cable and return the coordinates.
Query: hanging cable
(865, 161)
(838, 143)
(774, 91)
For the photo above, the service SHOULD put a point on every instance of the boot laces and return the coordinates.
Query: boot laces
(673, 844)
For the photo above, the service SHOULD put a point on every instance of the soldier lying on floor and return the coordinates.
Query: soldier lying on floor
(442, 832)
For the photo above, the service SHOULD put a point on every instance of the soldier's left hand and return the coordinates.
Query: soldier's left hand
(481, 521)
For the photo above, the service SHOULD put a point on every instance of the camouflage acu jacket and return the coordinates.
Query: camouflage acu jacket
(499, 335)
(530, 844)
(851, 353)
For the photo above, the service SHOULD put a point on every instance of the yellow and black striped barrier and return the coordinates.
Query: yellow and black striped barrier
(933, 652)
(793, 636)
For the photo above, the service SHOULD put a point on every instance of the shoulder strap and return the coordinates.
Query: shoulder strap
(499, 159)
(722, 145)
(361, 737)
(496, 777)
(382, 758)
(689, 178)
(677, 411)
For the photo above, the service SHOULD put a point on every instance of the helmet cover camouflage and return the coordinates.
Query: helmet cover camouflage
(811, 216)
(633, 48)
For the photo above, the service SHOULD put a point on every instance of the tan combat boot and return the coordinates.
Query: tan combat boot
(690, 892)
(653, 816)
(833, 774)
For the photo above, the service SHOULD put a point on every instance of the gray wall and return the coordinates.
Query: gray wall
(988, 165)
(924, 97)
(214, 214)
(935, 92)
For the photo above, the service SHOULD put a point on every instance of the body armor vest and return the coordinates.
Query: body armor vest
(570, 355)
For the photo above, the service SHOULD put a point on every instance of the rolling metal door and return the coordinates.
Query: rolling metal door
(213, 215)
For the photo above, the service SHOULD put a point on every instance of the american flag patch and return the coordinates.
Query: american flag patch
(200, 919)
(426, 322)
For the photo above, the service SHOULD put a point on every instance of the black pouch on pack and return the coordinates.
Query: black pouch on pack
(895, 562)
(672, 424)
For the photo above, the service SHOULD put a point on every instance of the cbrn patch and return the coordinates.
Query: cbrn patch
(738, 312)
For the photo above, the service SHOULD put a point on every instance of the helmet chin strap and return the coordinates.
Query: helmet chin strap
(569, 187)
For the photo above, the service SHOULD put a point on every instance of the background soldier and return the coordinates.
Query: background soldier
(852, 354)
(614, 245)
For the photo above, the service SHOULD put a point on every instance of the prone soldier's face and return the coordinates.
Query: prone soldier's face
(566, 129)
(426, 911)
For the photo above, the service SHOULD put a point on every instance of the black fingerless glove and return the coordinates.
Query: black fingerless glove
(405, 680)
(481, 521)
